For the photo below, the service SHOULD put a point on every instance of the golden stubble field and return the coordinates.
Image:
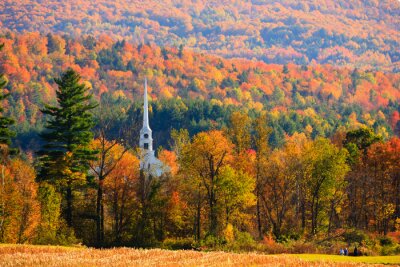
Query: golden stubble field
(26, 255)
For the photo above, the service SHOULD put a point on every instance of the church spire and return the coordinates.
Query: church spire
(148, 162)
(145, 107)
(146, 140)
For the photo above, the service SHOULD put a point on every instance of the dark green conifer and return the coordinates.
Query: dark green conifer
(65, 155)
(5, 122)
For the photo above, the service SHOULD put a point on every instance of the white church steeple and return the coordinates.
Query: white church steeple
(149, 164)
(145, 107)
(146, 140)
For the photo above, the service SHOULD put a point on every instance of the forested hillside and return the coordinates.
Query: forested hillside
(193, 90)
(356, 33)
(278, 123)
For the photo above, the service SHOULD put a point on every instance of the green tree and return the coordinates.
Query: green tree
(204, 158)
(357, 143)
(285, 69)
(236, 193)
(239, 131)
(179, 140)
(55, 44)
(110, 154)
(326, 167)
(278, 95)
(150, 208)
(52, 229)
(65, 155)
(50, 203)
(279, 186)
(360, 140)
(5, 122)
(180, 51)
(260, 141)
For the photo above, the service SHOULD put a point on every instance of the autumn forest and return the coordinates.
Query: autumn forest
(279, 137)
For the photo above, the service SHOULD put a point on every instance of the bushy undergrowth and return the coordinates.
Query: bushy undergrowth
(64, 236)
(178, 243)
(237, 241)
(387, 246)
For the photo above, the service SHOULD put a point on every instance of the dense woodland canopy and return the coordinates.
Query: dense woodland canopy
(267, 157)
(279, 121)
(356, 33)
(193, 91)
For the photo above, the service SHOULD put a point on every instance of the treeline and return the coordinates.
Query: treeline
(224, 188)
(193, 90)
(280, 32)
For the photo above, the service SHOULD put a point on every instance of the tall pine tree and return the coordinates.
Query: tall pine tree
(5, 122)
(64, 158)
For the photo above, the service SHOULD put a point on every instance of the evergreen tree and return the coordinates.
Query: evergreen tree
(180, 51)
(51, 44)
(64, 158)
(5, 122)
(285, 69)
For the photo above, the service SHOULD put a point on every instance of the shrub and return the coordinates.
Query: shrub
(64, 236)
(288, 237)
(211, 242)
(388, 246)
(243, 242)
(355, 237)
(385, 241)
(178, 243)
(271, 246)
(395, 235)
(390, 250)
(229, 233)
(233, 240)
(298, 247)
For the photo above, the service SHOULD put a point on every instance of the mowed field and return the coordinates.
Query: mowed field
(26, 255)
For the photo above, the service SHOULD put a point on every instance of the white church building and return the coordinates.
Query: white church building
(149, 164)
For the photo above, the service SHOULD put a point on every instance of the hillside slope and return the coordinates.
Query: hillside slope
(197, 91)
(357, 33)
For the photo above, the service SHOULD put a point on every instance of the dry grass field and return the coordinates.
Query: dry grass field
(25, 255)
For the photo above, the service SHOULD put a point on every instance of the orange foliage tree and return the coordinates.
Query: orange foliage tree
(19, 214)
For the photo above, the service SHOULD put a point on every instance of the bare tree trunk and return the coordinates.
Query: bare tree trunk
(100, 215)
(259, 226)
(3, 204)
(198, 215)
(116, 217)
(68, 212)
